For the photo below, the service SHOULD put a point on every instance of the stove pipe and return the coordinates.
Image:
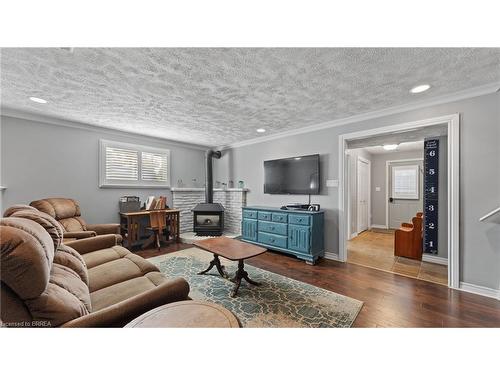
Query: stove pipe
(209, 181)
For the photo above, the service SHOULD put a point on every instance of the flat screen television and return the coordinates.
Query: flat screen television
(297, 175)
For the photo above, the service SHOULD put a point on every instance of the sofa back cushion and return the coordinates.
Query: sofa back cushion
(64, 210)
(17, 207)
(27, 252)
(53, 228)
(52, 286)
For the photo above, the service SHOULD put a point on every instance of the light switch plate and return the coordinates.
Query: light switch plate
(332, 183)
(377, 188)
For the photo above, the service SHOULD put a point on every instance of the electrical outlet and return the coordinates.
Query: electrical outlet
(332, 183)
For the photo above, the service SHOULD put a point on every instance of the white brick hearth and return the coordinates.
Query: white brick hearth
(233, 200)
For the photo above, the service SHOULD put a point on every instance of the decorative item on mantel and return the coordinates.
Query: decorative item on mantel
(230, 184)
(224, 186)
(241, 184)
(217, 184)
(195, 182)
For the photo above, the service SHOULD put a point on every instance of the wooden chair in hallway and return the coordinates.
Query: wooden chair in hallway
(158, 223)
(408, 239)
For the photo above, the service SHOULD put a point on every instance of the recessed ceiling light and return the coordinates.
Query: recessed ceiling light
(420, 88)
(38, 100)
(390, 147)
(260, 130)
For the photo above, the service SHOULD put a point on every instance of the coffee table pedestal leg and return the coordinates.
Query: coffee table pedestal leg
(215, 262)
(241, 274)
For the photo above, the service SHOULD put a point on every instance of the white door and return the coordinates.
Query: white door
(363, 192)
(405, 184)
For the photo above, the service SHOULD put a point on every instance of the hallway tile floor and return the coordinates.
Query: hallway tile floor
(375, 249)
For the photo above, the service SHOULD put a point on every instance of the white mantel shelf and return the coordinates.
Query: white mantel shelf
(187, 189)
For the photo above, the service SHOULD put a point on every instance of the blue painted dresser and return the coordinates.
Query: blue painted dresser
(290, 231)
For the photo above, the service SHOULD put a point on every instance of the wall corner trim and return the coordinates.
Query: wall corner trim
(481, 290)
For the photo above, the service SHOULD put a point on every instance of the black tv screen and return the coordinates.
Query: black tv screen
(297, 175)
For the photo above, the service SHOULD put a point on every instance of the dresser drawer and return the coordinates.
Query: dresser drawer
(264, 215)
(250, 214)
(279, 218)
(270, 227)
(272, 239)
(299, 219)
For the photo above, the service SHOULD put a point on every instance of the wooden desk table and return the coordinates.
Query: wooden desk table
(133, 222)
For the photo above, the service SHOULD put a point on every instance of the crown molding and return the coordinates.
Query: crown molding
(460, 95)
(13, 113)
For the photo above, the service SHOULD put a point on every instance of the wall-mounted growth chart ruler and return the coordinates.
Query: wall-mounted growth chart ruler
(431, 179)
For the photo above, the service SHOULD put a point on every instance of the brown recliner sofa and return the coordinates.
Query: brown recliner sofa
(93, 283)
(67, 212)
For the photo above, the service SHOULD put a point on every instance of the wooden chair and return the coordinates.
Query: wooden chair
(158, 223)
(408, 239)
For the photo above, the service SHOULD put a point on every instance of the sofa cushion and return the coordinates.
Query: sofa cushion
(68, 257)
(17, 207)
(65, 298)
(58, 208)
(50, 224)
(119, 292)
(95, 258)
(73, 224)
(116, 271)
(13, 308)
(27, 252)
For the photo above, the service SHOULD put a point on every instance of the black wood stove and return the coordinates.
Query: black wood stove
(208, 217)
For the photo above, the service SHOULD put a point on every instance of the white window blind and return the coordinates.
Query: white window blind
(154, 166)
(129, 165)
(405, 182)
(122, 164)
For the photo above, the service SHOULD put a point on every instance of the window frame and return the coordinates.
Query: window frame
(140, 183)
(414, 167)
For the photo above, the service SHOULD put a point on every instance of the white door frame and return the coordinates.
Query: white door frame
(453, 124)
(368, 221)
(387, 185)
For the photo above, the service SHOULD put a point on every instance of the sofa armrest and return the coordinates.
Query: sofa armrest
(120, 314)
(406, 225)
(88, 245)
(104, 228)
(80, 234)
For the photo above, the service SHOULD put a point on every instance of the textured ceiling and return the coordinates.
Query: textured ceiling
(219, 96)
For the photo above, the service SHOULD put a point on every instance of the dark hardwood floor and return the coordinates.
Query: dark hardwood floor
(390, 300)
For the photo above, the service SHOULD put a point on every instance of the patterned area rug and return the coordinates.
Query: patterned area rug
(278, 302)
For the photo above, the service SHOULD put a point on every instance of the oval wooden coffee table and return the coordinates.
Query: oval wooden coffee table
(186, 314)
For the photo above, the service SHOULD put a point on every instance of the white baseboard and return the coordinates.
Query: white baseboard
(481, 290)
(378, 226)
(331, 256)
(434, 259)
(353, 235)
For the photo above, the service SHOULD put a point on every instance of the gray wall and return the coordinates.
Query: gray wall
(479, 174)
(379, 178)
(39, 160)
(353, 184)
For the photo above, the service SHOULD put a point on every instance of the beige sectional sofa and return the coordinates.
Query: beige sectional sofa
(92, 282)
